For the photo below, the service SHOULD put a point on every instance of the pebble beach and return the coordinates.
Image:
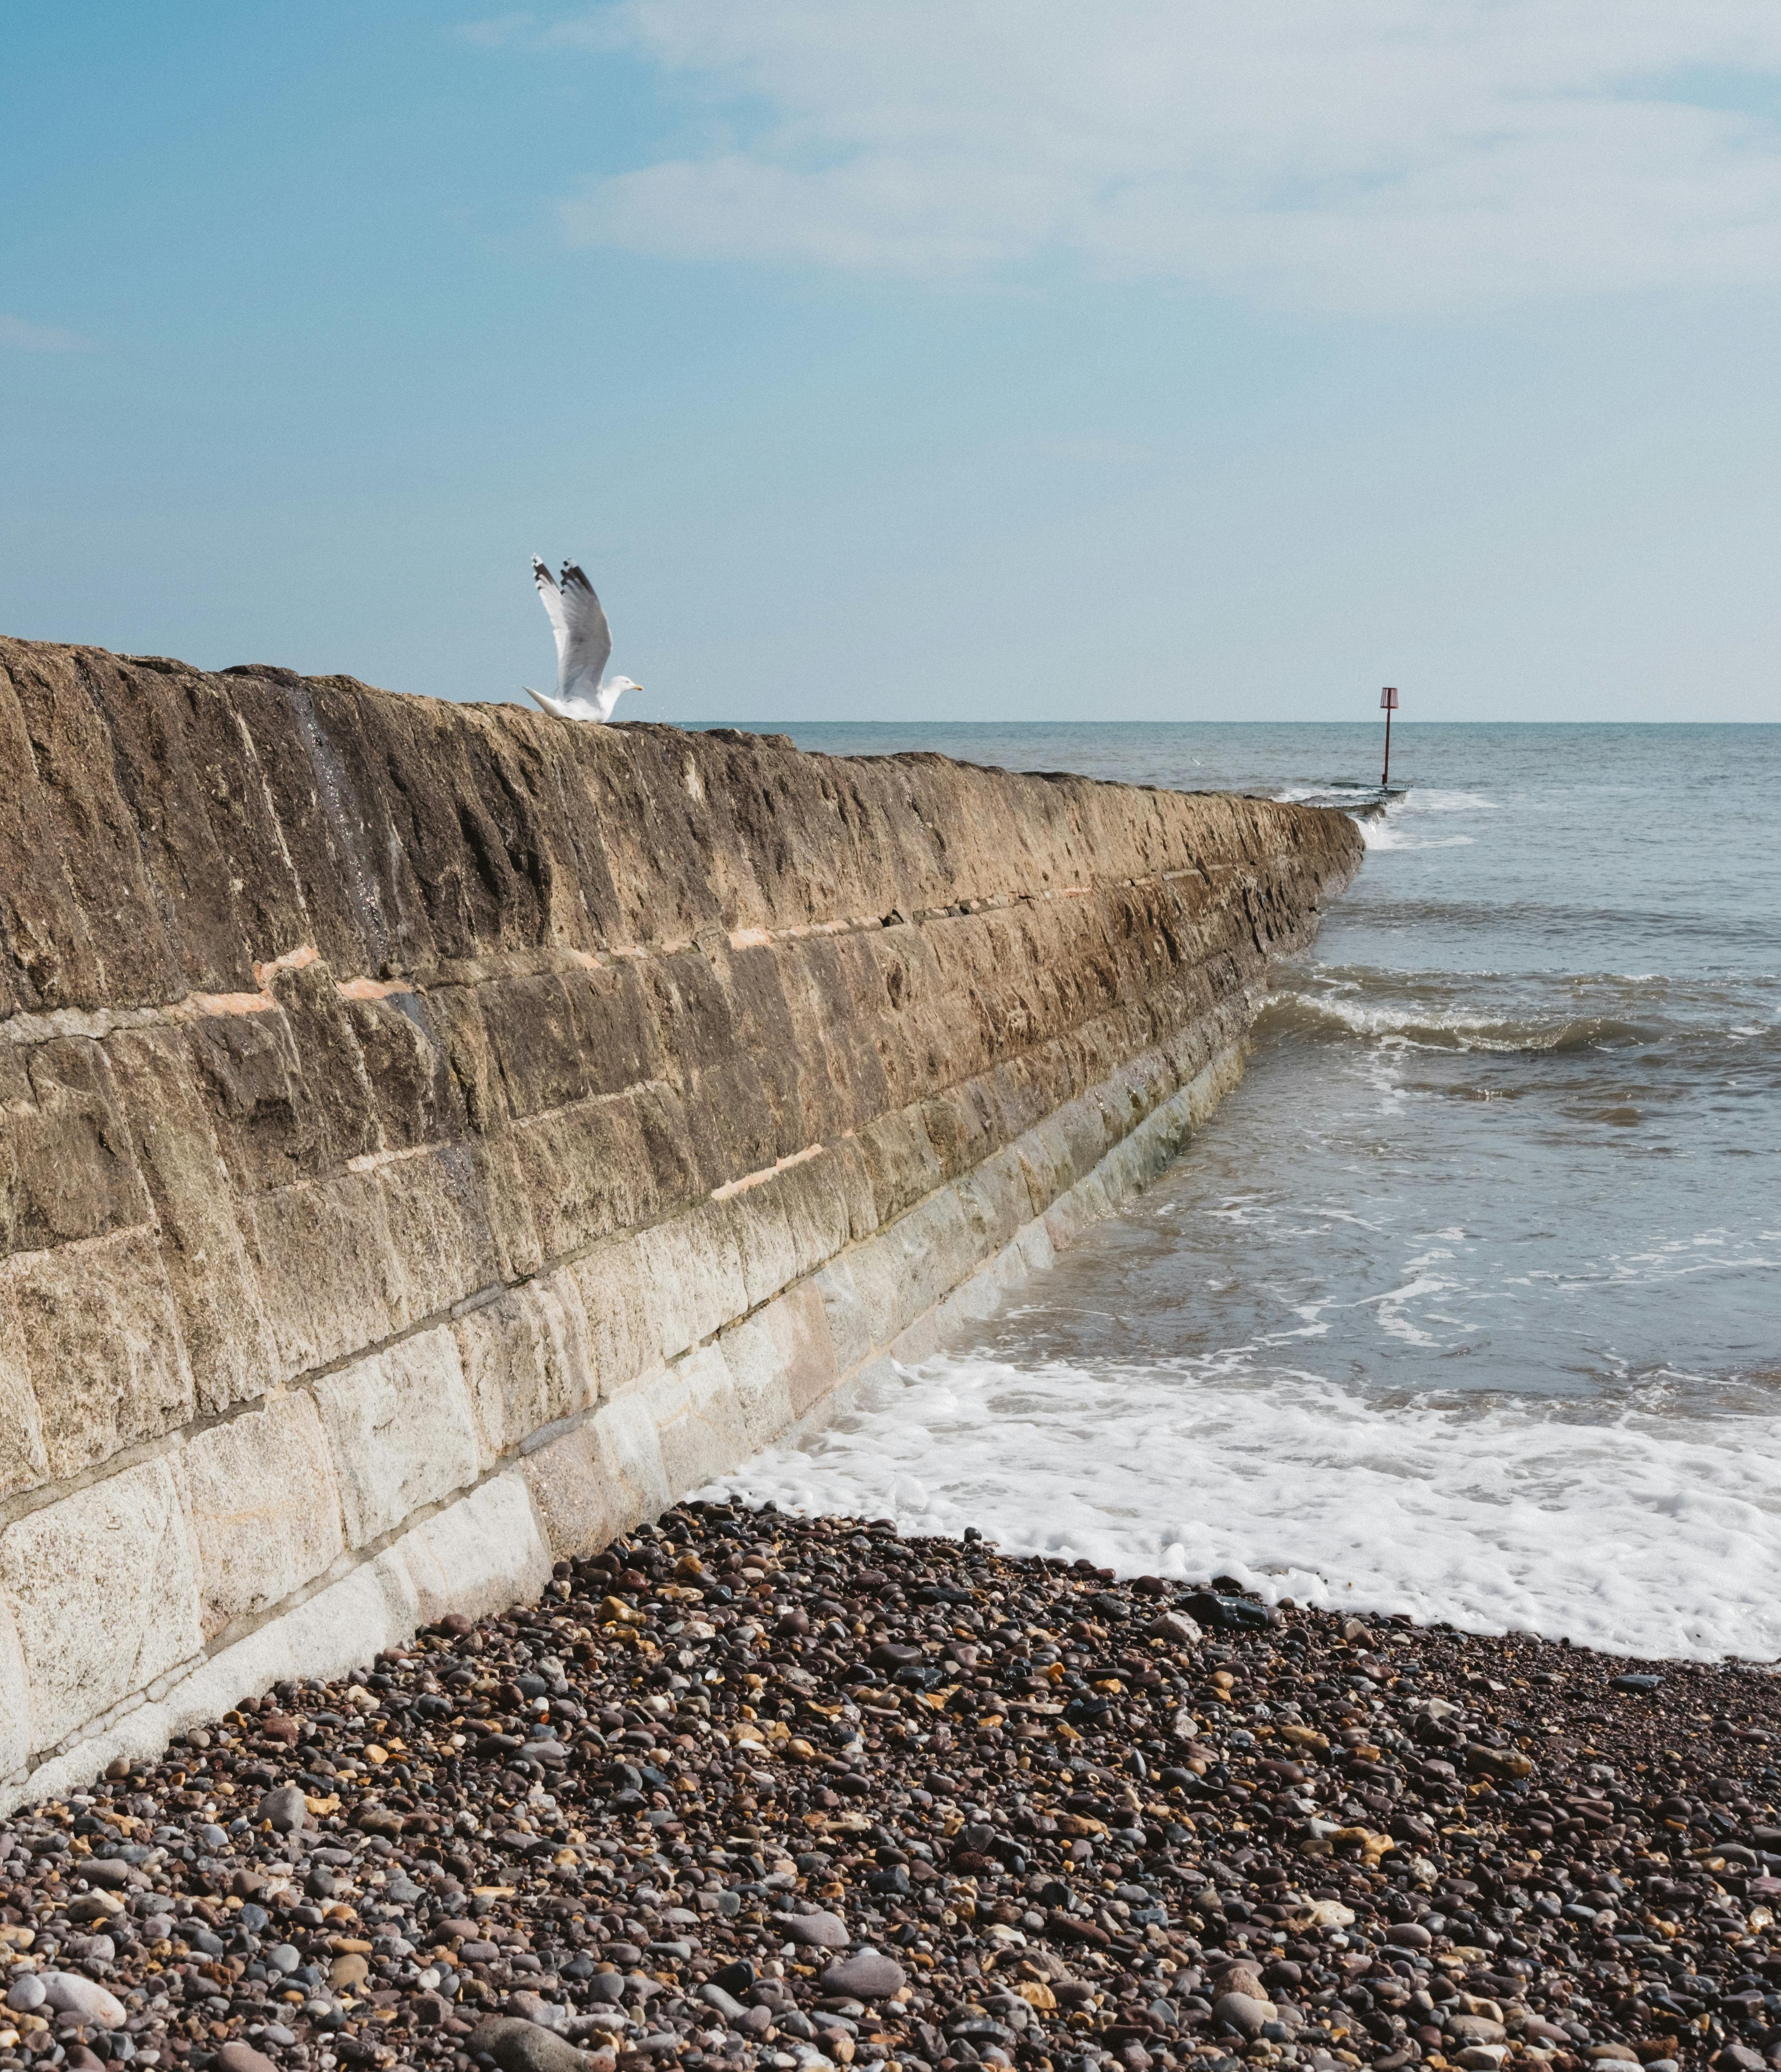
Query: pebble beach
(749, 1790)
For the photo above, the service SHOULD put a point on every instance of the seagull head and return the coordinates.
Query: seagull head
(618, 684)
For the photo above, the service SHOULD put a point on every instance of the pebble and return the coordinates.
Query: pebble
(285, 1807)
(865, 1975)
(1243, 2011)
(523, 2046)
(821, 1931)
(239, 2056)
(68, 1993)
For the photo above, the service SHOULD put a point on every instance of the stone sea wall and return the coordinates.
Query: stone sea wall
(433, 1137)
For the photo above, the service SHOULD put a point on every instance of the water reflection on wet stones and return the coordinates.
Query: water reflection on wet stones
(751, 1790)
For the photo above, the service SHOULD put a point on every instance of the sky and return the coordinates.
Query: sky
(945, 359)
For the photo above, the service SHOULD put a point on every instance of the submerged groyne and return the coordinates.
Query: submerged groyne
(434, 1137)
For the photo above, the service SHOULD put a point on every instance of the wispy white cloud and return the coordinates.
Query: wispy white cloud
(22, 337)
(1383, 154)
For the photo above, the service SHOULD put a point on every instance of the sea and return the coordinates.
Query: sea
(1466, 1303)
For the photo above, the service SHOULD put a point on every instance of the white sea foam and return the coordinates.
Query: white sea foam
(1400, 826)
(1385, 832)
(1643, 1529)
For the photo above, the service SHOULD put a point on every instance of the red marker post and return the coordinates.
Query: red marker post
(1388, 701)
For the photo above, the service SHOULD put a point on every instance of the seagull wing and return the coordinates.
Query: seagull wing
(551, 598)
(584, 640)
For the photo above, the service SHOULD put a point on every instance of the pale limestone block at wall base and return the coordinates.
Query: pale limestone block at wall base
(16, 1737)
(1210, 1086)
(342, 1627)
(938, 1250)
(400, 1431)
(755, 1360)
(1033, 1242)
(1094, 1198)
(711, 1265)
(1128, 1166)
(563, 1320)
(525, 1363)
(847, 1311)
(999, 1189)
(866, 1296)
(1046, 1166)
(103, 1587)
(1085, 1125)
(1065, 1221)
(699, 1424)
(660, 1256)
(631, 1447)
(811, 1370)
(578, 1502)
(484, 1552)
(265, 1508)
(24, 1460)
(107, 1365)
(920, 1341)
(973, 1299)
(1009, 1266)
(781, 1361)
(607, 1286)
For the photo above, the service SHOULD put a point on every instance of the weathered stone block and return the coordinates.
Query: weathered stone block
(769, 1252)
(781, 1361)
(629, 1439)
(107, 1370)
(710, 1259)
(441, 1252)
(24, 1459)
(16, 1735)
(662, 1260)
(526, 1363)
(66, 1170)
(103, 1588)
(849, 1311)
(699, 1422)
(222, 1325)
(400, 1431)
(579, 1502)
(617, 1297)
(484, 1552)
(265, 1508)
(326, 1270)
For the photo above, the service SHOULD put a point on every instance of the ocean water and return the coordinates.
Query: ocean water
(1467, 1303)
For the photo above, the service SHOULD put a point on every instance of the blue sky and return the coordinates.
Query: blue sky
(915, 360)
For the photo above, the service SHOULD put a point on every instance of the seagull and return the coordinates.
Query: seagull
(584, 647)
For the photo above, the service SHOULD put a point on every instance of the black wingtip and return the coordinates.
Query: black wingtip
(540, 573)
(572, 575)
